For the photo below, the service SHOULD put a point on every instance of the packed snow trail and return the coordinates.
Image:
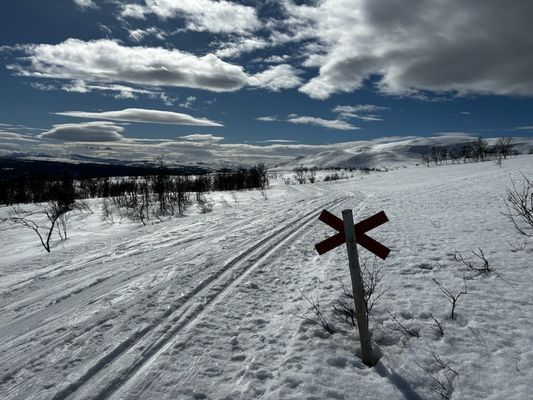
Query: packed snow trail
(140, 288)
(113, 370)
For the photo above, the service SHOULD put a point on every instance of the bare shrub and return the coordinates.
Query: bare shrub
(345, 307)
(107, 211)
(453, 299)
(405, 330)
(483, 268)
(300, 174)
(505, 146)
(312, 176)
(204, 205)
(519, 205)
(317, 317)
(332, 177)
(53, 211)
(442, 376)
(438, 325)
(519, 246)
(373, 291)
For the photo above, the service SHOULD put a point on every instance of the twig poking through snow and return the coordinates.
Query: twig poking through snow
(320, 320)
(453, 299)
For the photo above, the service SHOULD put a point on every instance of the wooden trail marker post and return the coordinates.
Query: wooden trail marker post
(351, 235)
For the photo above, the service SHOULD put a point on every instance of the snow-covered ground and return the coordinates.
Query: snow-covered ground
(214, 306)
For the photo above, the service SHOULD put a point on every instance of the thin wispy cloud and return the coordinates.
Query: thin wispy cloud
(338, 124)
(363, 112)
(189, 102)
(527, 128)
(279, 141)
(138, 35)
(324, 123)
(142, 115)
(116, 90)
(11, 136)
(202, 138)
(85, 4)
(267, 118)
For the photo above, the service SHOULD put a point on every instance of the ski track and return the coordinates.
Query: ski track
(177, 317)
(92, 279)
(299, 233)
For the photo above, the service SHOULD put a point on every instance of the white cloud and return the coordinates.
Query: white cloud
(107, 65)
(267, 118)
(96, 131)
(137, 35)
(18, 127)
(528, 128)
(240, 46)
(77, 86)
(108, 61)
(280, 141)
(339, 124)
(360, 111)
(359, 108)
(275, 59)
(415, 48)
(201, 15)
(202, 138)
(85, 4)
(43, 86)
(133, 11)
(118, 91)
(325, 123)
(143, 115)
(189, 101)
(15, 137)
(277, 77)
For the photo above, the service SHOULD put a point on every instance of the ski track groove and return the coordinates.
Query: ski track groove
(184, 319)
(93, 290)
(58, 296)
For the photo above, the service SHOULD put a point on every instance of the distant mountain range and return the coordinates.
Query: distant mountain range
(377, 153)
(51, 168)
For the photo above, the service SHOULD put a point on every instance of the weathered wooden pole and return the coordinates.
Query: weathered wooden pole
(357, 287)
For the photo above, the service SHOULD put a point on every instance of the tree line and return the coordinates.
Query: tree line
(476, 151)
(161, 184)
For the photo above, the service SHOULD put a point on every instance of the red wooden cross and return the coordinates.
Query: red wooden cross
(360, 233)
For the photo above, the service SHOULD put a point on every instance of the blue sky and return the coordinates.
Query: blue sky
(121, 79)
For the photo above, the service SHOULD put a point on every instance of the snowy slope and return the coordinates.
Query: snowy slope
(389, 152)
(214, 306)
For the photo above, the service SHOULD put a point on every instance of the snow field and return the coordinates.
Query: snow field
(214, 306)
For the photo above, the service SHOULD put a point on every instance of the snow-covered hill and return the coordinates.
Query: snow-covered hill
(389, 152)
(214, 306)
